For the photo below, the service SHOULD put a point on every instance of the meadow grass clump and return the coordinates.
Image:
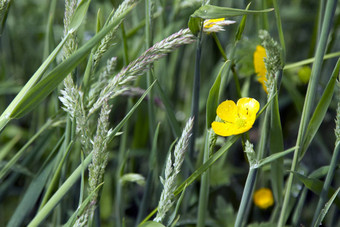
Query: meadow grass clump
(169, 113)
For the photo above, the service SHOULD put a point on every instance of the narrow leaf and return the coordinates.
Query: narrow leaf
(40, 91)
(151, 224)
(213, 97)
(213, 12)
(326, 208)
(320, 111)
(315, 186)
(79, 15)
(274, 157)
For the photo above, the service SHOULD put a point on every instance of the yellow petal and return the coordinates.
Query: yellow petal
(263, 198)
(247, 107)
(259, 56)
(227, 111)
(223, 129)
(211, 22)
(259, 65)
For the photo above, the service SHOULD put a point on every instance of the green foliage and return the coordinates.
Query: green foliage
(112, 89)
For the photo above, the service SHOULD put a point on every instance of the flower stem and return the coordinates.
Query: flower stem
(246, 197)
(204, 188)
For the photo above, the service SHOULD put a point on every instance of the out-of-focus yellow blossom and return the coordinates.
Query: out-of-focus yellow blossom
(237, 118)
(215, 25)
(304, 74)
(263, 198)
(260, 67)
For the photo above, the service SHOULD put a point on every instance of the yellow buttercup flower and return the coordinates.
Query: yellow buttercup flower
(260, 67)
(237, 118)
(263, 198)
(215, 25)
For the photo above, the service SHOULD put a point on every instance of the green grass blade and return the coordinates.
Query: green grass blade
(58, 195)
(41, 90)
(309, 102)
(213, 98)
(213, 12)
(200, 170)
(320, 111)
(128, 115)
(6, 115)
(169, 110)
(274, 157)
(240, 28)
(328, 180)
(316, 186)
(19, 154)
(79, 15)
(8, 147)
(56, 176)
(151, 224)
(82, 207)
(324, 211)
(276, 144)
(204, 187)
(310, 60)
(279, 28)
(31, 196)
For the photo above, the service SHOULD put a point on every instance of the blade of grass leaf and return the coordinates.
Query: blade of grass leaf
(8, 147)
(41, 90)
(19, 154)
(316, 186)
(279, 28)
(213, 12)
(128, 115)
(204, 187)
(324, 211)
(60, 193)
(56, 175)
(5, 116)
(31, 196)
(310, 60)
(320, 110)
(276, 144)
(169, 110)
(82, 207)
(328, 180)
(213, 97)
(309, 101)
(200, 170)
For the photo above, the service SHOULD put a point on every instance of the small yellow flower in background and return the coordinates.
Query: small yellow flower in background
(215, 25)
(304, 74)
(263, 198)
(237, 118)
(260, 68)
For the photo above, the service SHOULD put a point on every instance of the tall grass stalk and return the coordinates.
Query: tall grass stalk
(309, 101)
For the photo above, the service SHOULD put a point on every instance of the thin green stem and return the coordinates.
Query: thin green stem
(148, 43)
(204, 188)
(195, 94)
(309, 101)
(310, 60)
(246, 197)
(329, 178)
(279, 28)
(220, 48)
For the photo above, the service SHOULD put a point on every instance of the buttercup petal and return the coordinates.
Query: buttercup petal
(227, 111)
(247, 107)
(259, 65)
(223, 129)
